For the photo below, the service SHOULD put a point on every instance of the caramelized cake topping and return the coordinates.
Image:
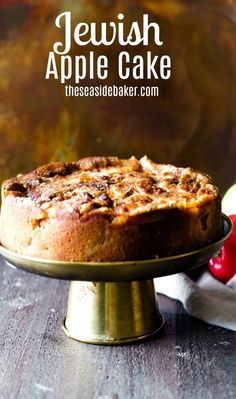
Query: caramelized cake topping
(119, 188)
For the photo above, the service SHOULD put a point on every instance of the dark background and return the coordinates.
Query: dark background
(192, 122)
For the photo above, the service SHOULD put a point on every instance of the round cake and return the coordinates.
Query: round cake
(109, 209)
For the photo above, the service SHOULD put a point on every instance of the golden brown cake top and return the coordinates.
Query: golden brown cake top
(120, 188)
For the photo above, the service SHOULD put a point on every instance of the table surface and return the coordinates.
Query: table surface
(188, 359)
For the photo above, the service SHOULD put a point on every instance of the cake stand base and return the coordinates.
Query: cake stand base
(124, 310)
(112, 313)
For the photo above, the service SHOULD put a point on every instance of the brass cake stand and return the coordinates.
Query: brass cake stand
(114, 302)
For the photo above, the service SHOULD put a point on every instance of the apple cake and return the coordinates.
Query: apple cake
(109, 209)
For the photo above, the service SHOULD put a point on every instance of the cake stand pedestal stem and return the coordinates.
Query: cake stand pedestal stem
(110, 313)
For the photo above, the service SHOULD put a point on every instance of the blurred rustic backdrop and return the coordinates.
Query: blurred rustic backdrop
(192, 122)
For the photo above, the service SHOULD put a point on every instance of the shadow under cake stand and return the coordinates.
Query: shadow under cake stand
(115, 302)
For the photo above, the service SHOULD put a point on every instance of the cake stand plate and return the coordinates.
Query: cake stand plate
(114, 302)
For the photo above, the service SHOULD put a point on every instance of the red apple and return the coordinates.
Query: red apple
(223, 266)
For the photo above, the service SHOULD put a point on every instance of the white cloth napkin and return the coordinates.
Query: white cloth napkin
(207, 298)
